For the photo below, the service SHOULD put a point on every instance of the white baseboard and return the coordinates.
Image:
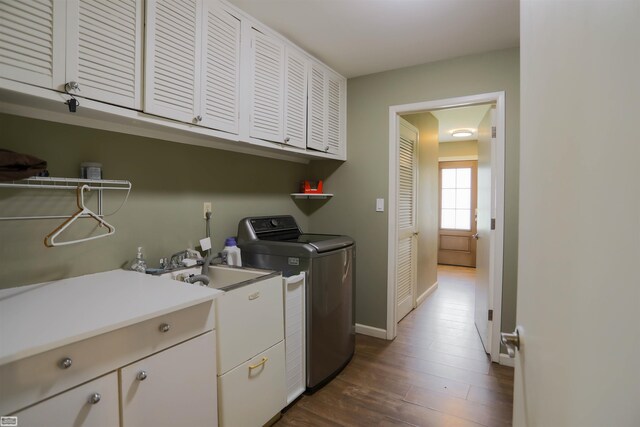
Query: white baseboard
(507, 361)
(426, 293)
(371, 331)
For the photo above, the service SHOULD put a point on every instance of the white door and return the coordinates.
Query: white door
(32, 42)
(485, 211)
(267, 87)
(176, 387)
(104, 50)
(407, 252)
(316, 124)
(579, 241)
(295, 101)
(172, 62)
(335, 95)
(219, 106)
(94, 404)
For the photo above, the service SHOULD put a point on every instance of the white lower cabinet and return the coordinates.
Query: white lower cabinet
(253, 392)
(251, 353)
(94, 404)
(174, 387)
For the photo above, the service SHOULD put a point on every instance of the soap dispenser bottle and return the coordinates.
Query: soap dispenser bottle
(231, 252)
(139, 264)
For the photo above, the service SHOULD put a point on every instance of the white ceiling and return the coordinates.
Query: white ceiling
(358, 37)
(460, 118)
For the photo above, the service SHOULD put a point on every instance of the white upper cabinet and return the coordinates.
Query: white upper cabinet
(220, 69)
(32, 39)
(266, 117)
(104, 50)
(94, 43)
(193, 63)
(173, 45)
(295, 99)
(327, 103)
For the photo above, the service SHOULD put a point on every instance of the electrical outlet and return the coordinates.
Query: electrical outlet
(207, 208)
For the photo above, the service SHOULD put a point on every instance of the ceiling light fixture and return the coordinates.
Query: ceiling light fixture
(461, 133)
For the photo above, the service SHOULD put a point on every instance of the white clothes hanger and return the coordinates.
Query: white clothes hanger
(49, 240)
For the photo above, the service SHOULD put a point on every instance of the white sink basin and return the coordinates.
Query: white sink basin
(220, 276)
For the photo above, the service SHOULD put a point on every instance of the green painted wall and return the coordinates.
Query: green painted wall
(164, 212)
(458, 149)
(364, 176)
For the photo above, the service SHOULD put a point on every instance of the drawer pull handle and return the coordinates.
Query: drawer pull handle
(142, 375)
(164, 327)
(254, 295)
(257, 365)
(95, 398)
(66, 363)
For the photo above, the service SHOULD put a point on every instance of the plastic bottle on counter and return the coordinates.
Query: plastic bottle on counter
(139, 264)
(231, 252)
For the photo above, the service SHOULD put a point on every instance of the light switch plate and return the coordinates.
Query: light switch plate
(379, 205)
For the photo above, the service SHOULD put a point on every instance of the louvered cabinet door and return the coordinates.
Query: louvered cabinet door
(172, 59)
(335, 113)
(220, 69)
(267, 87)
(32, 42)
(317, 132)
(295, 101)
(104, 50)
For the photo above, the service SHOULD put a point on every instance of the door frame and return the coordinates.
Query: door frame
(496, 255)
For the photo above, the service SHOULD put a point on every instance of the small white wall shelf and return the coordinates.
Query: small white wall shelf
(311, 195)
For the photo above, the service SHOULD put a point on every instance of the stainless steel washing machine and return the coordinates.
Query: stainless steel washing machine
(277, 243)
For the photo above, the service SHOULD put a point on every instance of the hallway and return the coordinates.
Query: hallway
(435, 373)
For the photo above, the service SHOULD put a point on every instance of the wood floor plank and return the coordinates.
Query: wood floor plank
(462, 408)
(435, 373)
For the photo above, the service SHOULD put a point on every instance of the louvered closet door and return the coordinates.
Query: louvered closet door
(173, 55)
(267, 84)
(104, 50)
(295, 103)
(220, 69)
(316, 137)
(335, 93)
(406, 262)
(32, 37)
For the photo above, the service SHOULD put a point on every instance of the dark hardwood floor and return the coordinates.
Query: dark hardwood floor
(435, 373)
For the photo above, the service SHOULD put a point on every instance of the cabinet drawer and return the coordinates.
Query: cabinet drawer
(252, 393)
(72, 408)
(30, 380)
(250, 319)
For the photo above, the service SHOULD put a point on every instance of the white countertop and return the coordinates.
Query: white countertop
(37, 318)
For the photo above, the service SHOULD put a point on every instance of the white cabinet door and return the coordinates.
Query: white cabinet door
(335, 113)
(104, 50)
(32, 42)
(327, 95)
(173, 55)
(78, 407)
(176, 387)
(295, 99)
(317, 111)
(220, 69)
(267, 87)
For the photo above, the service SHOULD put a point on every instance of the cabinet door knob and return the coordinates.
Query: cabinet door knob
(198, 118)
(142, 375)
(286, 140)
(164, 327)
(69, 86)
(66, 363)
(95, 398)
(326, 148)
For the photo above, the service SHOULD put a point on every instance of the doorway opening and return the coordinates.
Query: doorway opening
(452, 225)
